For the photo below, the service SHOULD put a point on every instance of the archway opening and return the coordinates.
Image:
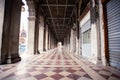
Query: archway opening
(23, 29)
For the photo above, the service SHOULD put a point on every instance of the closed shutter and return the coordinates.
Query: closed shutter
(113, 18)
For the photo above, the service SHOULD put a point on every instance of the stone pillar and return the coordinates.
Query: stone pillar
(77, 47)
(31, 34)
(77, 40)
(31, 26)
(41, 34)
(44, 39)
(95, 33)
(11, 28)
(104, 60)
(36, 37)
(71, 41)
(2, 6)
(49, 39)
(68, 41)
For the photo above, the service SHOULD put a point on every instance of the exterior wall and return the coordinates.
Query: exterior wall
(2, 6)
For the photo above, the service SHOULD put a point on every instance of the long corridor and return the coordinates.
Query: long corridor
(56, 64)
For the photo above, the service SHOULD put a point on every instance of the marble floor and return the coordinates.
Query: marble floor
(56, 65)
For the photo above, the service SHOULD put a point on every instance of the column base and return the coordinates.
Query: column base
(10, 59)
(14, 58)
(37, 52)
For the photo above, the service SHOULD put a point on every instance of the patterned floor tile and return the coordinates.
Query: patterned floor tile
(66, 78)
(57, 76)
(29, 78)
(73, 76)
(35, 73)
(79, 73)
(48, 78)
(50, 73)
(40, 76)
(20, 72)
(26, 75)
(64, 73)
(55, 65)
(84, 78)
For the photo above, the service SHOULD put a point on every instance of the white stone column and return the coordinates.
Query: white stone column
(95, 34)
(2, 6)
(74, 41)
(77, 47)
(94, 43)
(68, 42)
(31, 34)
(41, 34)
(71, 41)
(46, 41)
(49, 40)
(104, 61)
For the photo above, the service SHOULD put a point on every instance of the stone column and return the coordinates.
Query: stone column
(11, 28)
(46, 39)
(31, 34)
(77, 39)
(102, 30)
(2, 6)
(31, 26)
(36, 37)
(68, 42)
(71, 41)
(95, 33)
(49, 40)
(41, 34)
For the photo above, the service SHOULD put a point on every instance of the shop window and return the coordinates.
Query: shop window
(86, 37)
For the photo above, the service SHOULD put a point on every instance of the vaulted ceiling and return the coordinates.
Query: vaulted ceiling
(59, 14)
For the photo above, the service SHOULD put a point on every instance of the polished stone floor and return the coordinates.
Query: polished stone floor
(56, 64)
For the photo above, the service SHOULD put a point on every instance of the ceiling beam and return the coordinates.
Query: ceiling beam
(51, 15)
(65, 12)
(59, 5)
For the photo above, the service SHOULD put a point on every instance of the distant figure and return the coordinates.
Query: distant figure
(59, 45)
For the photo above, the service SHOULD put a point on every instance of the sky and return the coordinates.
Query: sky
(24, 17)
